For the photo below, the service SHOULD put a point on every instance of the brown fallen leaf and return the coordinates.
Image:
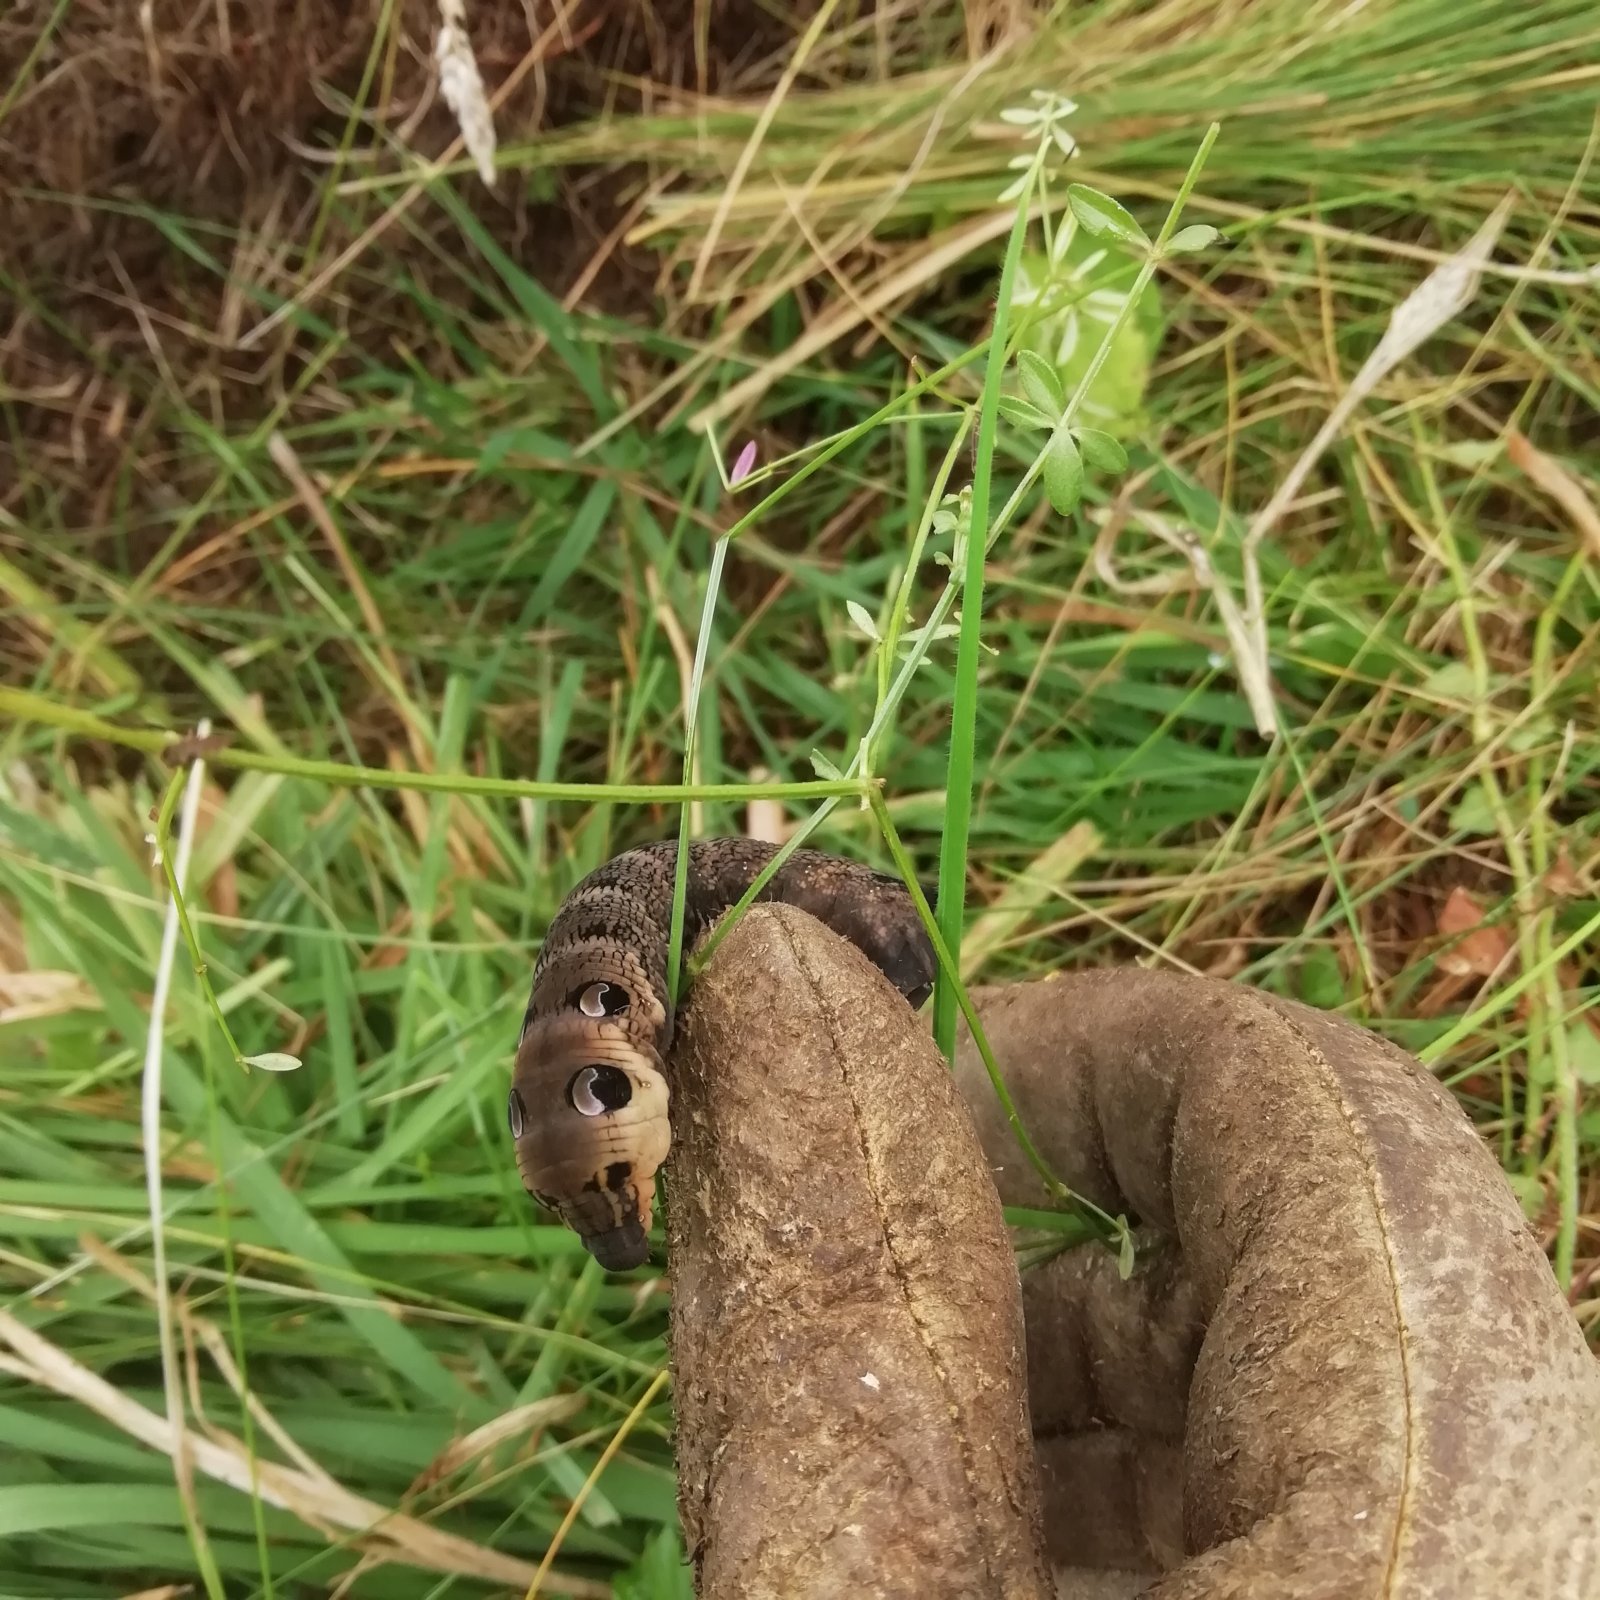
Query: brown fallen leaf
(1477, 948)
(1567, 491)
(1564, 880)
(27, 996)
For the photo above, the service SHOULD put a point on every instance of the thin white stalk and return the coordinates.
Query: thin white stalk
(150, 1122)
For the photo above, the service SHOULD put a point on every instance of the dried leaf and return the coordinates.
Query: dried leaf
(1443, 295)
(462, 87)
(1560, 485)
(1034, 889)
(1477, 948)
(28, 996)
(1563, 879)
(1440, 296)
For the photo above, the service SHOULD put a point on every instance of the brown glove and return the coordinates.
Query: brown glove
(1342, 1368)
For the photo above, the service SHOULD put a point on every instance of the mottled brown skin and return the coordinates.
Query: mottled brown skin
(588, 1106)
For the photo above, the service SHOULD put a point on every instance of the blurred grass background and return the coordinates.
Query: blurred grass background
(308, 433)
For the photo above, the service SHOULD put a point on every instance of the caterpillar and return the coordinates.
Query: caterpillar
(590, 1089)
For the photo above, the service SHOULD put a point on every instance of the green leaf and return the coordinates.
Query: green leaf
(1041, 383)
(1321, 979)
(662, 1571)
(1101, 450)
(1471, 815)
(1529, 1188)
(824, 768)
(1535, 733)
(1455, 680)
(273, 1061)
(36, 1508)
(1195, 237)
(863, 619)
(520, 441)
(1063, 473)
(1125, 1251)
(1082, 283)
(1023, 414)
(1100, 215)
(1583, 1051)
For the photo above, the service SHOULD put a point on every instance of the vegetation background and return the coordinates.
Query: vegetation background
(308, 432)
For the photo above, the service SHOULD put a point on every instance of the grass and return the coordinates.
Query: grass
(483, 597)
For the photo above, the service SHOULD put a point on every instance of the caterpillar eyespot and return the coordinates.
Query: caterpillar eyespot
(516, 1114)
(597, 1035)
(602, 1000)
(593, 1091)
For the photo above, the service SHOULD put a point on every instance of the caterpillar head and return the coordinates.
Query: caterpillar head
(588, 1112)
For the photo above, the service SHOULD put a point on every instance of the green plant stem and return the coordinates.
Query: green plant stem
(1147, 270)
(964, 706)
(901, 608)
(27, 706)
(843, 440)
(725, 925)
(1104, 1225)
(963, 719)
(691, 722)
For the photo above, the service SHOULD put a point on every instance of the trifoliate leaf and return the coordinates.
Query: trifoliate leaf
(1100, 215)
(1063, 473)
